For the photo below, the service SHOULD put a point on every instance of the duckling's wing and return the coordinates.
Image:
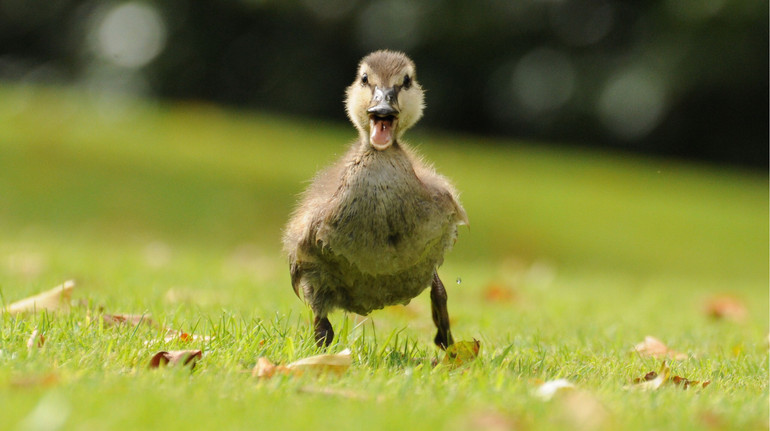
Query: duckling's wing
(438, 185)
(461, 217)
(299, 239)
(296, 275)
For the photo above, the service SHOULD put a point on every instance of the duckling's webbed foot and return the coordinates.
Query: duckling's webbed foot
(438, 299)
(324, 334)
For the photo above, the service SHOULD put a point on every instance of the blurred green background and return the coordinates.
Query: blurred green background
(212, 180)
(684, 78)
(585, 135)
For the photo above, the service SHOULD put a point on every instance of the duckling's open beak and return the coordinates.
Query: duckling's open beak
(383, 116)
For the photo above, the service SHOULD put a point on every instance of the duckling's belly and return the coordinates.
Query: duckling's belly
(387, 230)
(381, 262)
(361, 293)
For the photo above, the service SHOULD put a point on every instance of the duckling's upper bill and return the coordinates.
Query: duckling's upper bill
(385, 99)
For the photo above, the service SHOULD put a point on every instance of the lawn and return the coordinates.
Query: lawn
(175, 211)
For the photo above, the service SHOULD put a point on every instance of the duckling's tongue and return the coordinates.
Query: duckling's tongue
(381, 132)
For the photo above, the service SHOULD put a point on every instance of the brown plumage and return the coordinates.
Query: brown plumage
(371, 229)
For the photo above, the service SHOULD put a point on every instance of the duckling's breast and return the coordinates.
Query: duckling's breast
(383, 220)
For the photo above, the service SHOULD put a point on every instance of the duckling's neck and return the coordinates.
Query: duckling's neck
(364, 147)
(369, 164)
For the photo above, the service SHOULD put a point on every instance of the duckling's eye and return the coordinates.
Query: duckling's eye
(407, 82)
(364, 79)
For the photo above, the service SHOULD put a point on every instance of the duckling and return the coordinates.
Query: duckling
(372, 229)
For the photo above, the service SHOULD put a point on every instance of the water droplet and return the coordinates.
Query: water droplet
(459, 280)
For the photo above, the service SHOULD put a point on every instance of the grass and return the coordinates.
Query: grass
(176, 211)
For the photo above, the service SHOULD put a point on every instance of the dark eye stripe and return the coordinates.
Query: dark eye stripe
(407, 82)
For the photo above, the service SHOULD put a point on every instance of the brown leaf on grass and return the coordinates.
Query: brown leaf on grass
(497, 292)
(176, 357)
(265, 368)
(686, 383)
(649, 383)
(336, 363)
(462, 352)
(726, 307)
(55, 299)
(677, 380)
(36, 339)
(652, 347)
(653, 380)
(647, 377)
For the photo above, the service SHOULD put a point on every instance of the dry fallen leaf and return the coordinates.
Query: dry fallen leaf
(176, 357)
(36, 339)
(51, 300)
(647, 377)
(655, 348)
(653, 380)
(677, 380)
(462, 352)
(686, 383)
(336, 363)
(726, 307)
(265, 368)
(651, 384)
(547, 390)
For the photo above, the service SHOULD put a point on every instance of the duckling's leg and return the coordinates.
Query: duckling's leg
(440, 314)
(324, 334)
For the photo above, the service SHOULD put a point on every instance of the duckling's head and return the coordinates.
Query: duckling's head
(385, 99)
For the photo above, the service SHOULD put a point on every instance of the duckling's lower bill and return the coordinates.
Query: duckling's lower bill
(381, 131)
